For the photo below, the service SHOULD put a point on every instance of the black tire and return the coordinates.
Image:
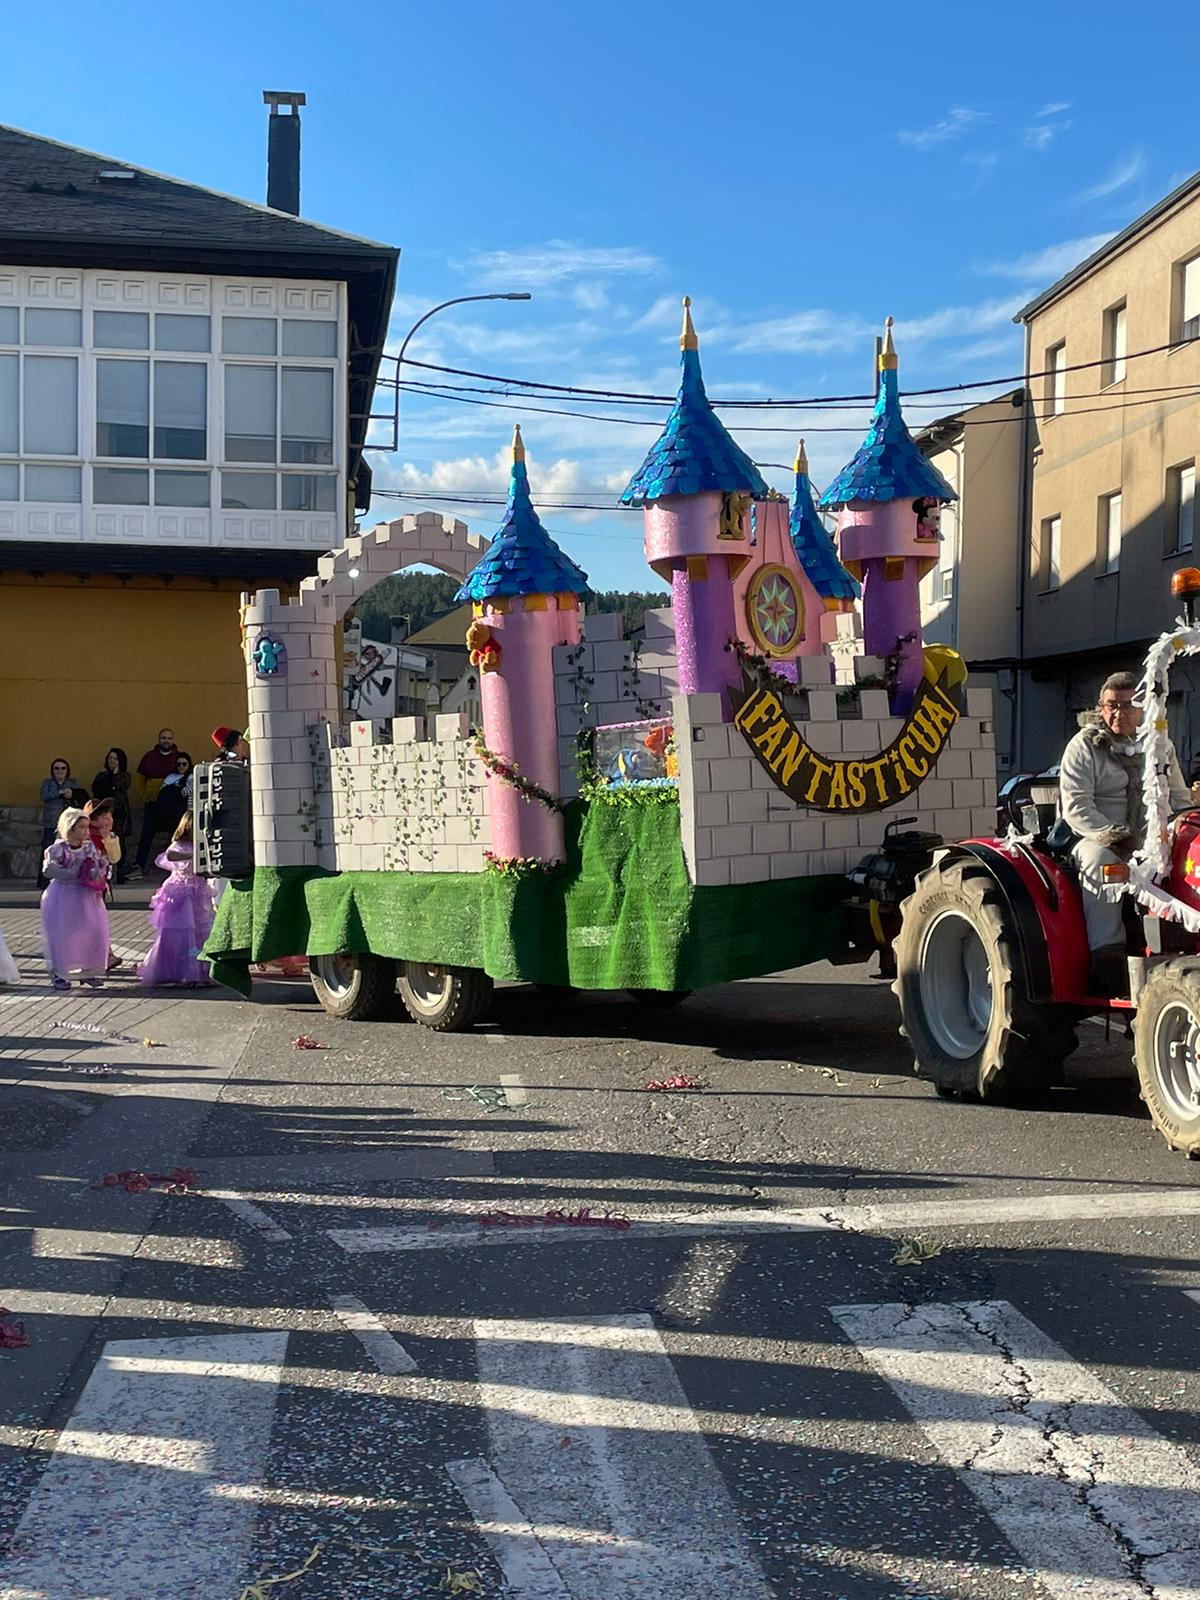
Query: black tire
(446, 999)
(963, 1003)
(354, 988)
(1167, 1052)
(659, 998)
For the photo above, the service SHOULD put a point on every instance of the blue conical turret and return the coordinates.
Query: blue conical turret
(522, 558)
(814, 546)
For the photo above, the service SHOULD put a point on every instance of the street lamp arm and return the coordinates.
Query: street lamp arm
(460, 300)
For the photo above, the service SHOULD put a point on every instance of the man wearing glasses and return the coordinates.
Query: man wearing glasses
(1100, 797)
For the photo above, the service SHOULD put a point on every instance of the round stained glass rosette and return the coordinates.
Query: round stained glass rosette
(775, 610)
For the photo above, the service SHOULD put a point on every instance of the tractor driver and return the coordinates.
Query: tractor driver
(1100, 797)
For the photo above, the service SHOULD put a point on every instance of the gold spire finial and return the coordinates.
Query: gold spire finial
(801, 458)
(688, 339)
(888, 361)
(518, 444)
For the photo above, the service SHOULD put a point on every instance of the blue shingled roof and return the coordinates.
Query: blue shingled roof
(522, 558)
(814, 548)
(888, 466)
(694, 452)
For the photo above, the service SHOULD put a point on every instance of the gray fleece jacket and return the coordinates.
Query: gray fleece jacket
(1100, 787)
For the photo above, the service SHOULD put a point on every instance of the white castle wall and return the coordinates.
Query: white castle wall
(398, 798)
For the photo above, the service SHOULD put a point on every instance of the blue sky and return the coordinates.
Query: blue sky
(801, 172)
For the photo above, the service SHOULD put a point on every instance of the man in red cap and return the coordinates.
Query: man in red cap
(231, 745)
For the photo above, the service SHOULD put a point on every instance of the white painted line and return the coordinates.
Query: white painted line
(494, 1036)
(622, 1510)
(515, 1092)
(251, 1215)
(388, 1354)
(1193, 1294)
(131, 1503)
(1082, 1205)
(528, 1570)
(1087, 1493)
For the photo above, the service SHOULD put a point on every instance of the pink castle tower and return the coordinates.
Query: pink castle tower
(696, 487)
(888, 501)
(525, 600)
(790, 591)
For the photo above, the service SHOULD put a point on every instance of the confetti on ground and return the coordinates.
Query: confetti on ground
(466, 1581)
(681, 1080)
(583, 1218)
(103, 1033)
(182, 1180)
(307, 1042)
(258, 1589)
(12, 1331)
(913, 1251)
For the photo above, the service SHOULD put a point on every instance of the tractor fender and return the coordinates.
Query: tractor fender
(1044, 909)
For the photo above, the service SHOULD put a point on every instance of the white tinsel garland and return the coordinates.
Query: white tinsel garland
(1152, 862)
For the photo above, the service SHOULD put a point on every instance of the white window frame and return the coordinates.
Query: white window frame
(1052, 545)
(1189, 298)
(1056, 379)
(1115, 344)
(1111, 535)
(1181, 508)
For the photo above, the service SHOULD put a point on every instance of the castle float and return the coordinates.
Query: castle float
(651, 813)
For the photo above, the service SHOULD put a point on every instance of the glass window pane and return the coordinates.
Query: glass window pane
(9, 482)
(309, 338)
(121, 330)
(53, 327)
(9, 380)
(10, 325)
(58, 484)
(248, 491)
(1119, 344)
(180, 488)
(176, 332)
(1191, 297)
(248, 336)
(250, 413)
(308, 491)
(122, 408)
(120, 486)
(51, 406)
(1187, 509)
(307, 420)
(180, 410)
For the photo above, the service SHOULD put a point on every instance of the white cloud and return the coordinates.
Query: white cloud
(954, 322)
(666, 312)
(1043, 134)
(815, 332)
(955, 123)
(590, 296)
(1043, 266)
(1128, 169)
(555, 263)
(1052, 108)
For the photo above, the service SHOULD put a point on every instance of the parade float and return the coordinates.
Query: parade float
(751, 784)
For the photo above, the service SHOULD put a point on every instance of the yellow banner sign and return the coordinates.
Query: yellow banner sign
(860, 783)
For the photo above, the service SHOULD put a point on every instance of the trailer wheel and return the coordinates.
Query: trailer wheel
(963, 1005)
(356, 988)
(447, 999)
(1167, 1052)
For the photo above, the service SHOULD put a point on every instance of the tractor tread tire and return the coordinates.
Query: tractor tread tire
(370, 996)
(467, 998)
(1177, 981)
(1022, 1054)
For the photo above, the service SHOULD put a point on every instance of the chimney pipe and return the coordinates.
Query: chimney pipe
(283, 151)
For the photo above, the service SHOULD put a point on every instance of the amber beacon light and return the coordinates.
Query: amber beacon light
(1185, 586)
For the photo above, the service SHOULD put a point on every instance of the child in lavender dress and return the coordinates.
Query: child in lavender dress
(181, 914)
(74, 917)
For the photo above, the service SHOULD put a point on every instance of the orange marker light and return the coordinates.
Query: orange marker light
(1186, 581)
(1116, 872)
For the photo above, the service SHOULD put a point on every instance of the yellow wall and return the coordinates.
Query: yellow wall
(1090, 451)
(89, 662)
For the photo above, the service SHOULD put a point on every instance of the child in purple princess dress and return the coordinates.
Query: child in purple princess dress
(74, 916)
(181, 914)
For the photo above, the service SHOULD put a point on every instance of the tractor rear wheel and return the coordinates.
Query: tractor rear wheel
(1167, 1052)
(963, 1002)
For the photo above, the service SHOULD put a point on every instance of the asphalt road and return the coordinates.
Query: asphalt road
(854, 1342)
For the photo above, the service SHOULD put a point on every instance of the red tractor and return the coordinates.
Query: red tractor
(993, 969)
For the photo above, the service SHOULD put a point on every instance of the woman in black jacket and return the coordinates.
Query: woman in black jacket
(112, 783)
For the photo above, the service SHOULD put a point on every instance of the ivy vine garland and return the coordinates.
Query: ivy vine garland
(509, 773)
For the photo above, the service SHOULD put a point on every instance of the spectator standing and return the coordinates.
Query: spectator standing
(112, 783)
(56, 797)
(152, 769)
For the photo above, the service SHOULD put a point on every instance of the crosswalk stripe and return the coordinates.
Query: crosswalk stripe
(388, 1354)
(528, 1570)
(135, 1498)
(1088, 1494)
(566, 1405)
(253, 1216)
